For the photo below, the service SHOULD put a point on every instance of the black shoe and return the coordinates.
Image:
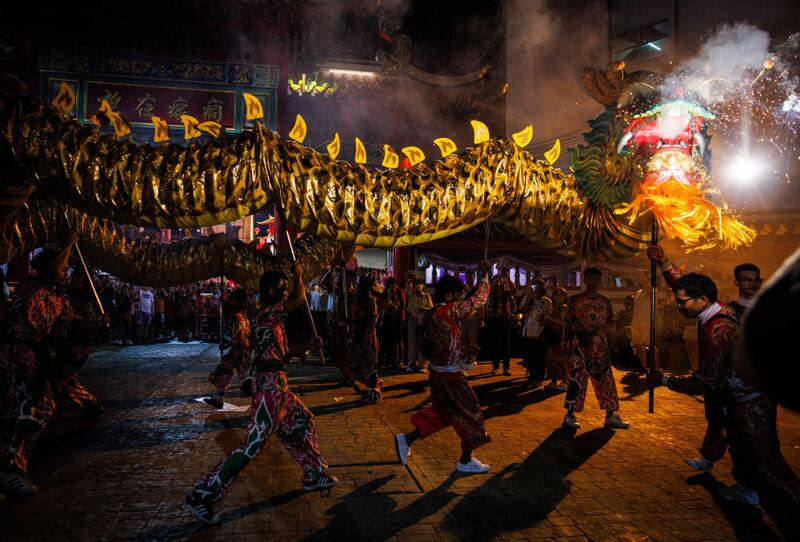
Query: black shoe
(506, 373)
(322, 481)
(215, 402)
(202, 508)
(17, 483)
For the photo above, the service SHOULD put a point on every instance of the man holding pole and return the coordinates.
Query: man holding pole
(39, 307)
(750, 415)
(453, 401)
(717, 335)
(274, 409)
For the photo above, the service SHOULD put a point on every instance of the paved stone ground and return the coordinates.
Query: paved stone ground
(125, 476)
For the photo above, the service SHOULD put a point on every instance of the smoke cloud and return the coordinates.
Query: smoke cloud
(549, 44)
(726, 64)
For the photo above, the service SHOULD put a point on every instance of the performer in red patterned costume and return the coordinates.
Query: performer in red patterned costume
(362, 352)
(239, 357)
(717, 336)
(749, 416)
(39, 309)
(274, 408)
(589, 317)
(453, 401)
(73, 351)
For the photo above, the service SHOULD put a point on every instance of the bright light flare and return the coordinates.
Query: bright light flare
(745, 169)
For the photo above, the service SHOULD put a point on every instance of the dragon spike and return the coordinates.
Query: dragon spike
(552, 155)
(480, 130)
(211, 128)
(415, 155)
(390, 158)
(190, 130)
(361, 152)
(65, 99)
(524, 136)
(334, 146)
(121, 125)
(253, 108)
(446, 145)
(160, 129)
(298, 131)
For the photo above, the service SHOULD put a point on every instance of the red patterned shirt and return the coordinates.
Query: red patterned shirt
(272, 347)
(717, 340)
(35, 311)
(446, 333)
(240, 331)
(587, 319)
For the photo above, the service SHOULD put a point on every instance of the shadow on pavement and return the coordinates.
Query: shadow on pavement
(508, 397)
(748, 521)
(367, 514)
(205, 532)
(523, 494)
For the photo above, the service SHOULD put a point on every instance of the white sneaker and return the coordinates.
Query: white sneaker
(473, 467)
(402, 448)
(570, 421)
(616, 422)
(739, 493)
(701, 463)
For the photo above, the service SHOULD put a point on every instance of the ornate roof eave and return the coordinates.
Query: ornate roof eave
(368, 74)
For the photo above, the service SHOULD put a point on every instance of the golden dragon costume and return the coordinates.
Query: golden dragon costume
(644, 156)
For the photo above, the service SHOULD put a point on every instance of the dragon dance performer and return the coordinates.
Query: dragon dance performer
(589, 317)
(749, 416)
(362, 350)
(453, 401)
(39, 309)
(274, 408)
(238, 358)
(77, 345)
(335, 281)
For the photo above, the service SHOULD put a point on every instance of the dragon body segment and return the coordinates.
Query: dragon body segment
(141, 261)
(619, 175)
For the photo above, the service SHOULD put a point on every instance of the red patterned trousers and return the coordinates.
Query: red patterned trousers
(276, 410)
(605, 389)
(221, 376)
(756, 451)
(453, 403)
(28, 404)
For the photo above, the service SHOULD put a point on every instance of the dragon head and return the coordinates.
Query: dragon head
(648, 154)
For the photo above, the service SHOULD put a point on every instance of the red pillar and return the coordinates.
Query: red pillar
(401, 262)
(280, 231)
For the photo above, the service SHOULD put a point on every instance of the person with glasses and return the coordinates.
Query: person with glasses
(274, 409)
(747, 278)
(734, 410)
(711, 359)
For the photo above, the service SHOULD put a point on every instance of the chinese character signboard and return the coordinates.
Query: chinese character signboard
(141, 88)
